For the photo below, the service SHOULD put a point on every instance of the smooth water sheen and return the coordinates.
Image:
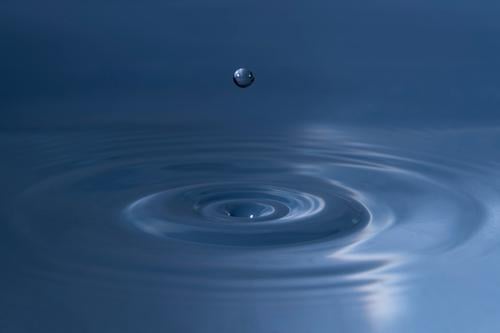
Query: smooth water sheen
(315, 228)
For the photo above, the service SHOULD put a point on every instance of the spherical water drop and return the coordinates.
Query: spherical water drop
(243, 77)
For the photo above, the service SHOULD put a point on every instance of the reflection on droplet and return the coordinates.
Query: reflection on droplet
(243, 77)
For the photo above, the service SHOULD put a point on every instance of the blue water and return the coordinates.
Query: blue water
(354, 187)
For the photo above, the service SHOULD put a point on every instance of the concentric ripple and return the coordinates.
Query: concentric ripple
(242, 215)
(313, 209)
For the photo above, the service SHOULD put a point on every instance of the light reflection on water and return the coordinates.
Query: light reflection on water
(327, 226)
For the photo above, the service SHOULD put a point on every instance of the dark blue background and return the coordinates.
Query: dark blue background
(385, 63)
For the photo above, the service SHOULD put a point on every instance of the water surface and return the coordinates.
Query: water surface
(314, 228)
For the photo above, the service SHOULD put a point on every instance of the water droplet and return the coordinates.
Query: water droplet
(243, 77)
